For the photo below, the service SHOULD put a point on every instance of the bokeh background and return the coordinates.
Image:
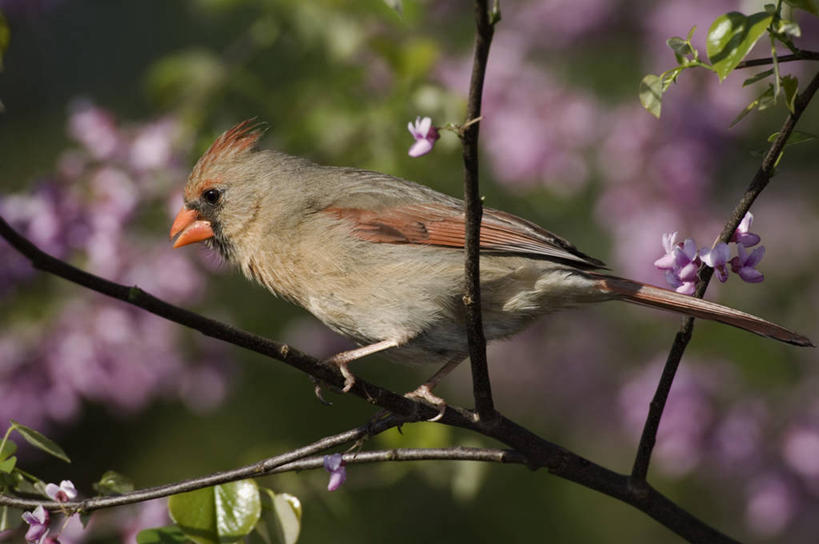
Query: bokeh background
(109, 102)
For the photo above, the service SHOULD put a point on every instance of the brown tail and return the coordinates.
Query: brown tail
(657, 297)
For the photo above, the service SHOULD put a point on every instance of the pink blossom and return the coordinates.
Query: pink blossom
(38, 525)
(334, 464)
(425, 136)
(63, 492)
(717, 258)
(681, 263)
(742, 235)
(744, 264)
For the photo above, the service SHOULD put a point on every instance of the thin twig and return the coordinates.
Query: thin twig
(481, 385)
(757, 185)
(802, 55)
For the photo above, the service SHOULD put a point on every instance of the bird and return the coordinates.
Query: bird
(380, 259)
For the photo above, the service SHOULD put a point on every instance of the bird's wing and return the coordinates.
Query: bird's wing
(442, 224)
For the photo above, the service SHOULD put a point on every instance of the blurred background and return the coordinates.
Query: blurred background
(107, 105)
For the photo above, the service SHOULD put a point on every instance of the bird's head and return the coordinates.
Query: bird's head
(220, 196)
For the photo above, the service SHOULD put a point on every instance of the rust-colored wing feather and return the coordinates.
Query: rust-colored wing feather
(437, 224)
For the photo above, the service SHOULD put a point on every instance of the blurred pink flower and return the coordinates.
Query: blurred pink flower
(770, 506)
(801, 450)
(94, 128)
(37, 525)
(425, 136)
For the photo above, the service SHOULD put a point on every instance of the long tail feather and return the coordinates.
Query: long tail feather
(648, 295)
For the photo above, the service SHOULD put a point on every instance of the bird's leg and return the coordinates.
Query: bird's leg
(424, 391)
(344, 358)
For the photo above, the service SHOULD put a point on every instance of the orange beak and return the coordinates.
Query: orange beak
(187, 228)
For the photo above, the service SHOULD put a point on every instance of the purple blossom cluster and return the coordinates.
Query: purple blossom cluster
(682, 260)
(82, 346)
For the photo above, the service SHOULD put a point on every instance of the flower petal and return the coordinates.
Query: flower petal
(420, 147)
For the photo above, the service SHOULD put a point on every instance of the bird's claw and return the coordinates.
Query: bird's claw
(425, 395)
(342, 366)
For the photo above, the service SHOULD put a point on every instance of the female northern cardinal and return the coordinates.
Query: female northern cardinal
(380, 259)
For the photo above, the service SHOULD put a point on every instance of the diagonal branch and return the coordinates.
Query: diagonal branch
(538, 452)
(758, 183)
(481, 386)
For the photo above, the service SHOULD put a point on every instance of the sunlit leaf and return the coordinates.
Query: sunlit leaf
(113, 483)
(40, 441)
(651, 94)
(732, 36)
(217, 515)
(790, 85)
(162, 535)
(811, 6)
(281, 518)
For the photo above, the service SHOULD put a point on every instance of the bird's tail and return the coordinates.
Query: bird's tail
(657, 297)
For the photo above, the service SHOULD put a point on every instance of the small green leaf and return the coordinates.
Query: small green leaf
(761, 75)
(8, 449)
(790, 85)
(41, 441)
(10, 518)
(690, 33)
(680, 47)
(162, 535)
(651, 94)
(281, 518)
(811, 6)
(7, 465)
(113, 483)
(796, 137)
(766, 98)
(217, 515)
(732, 36)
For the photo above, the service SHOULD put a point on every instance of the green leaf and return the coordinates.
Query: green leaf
(651, 94)
(162, 535)
(732, 36)
(113, 483)
(281, 518)
(796, 137)
(7, 465)
(811, 6)
(690, 33)
(790, 85)
(680, 47)
(761, 102)
(788, 28)
(40, 441)
(8, 449)
(217, 515)
(761, 75)
(10, 518)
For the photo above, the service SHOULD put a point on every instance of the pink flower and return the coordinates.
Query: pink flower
(334, 464)
(425, 136)
(38, 525)
(742, 236)
(744, 264)
(681, 263)
(62, 493)
(717, 258)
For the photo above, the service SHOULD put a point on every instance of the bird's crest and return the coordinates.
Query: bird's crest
(240, 139)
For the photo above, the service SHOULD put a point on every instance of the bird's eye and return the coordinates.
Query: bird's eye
(212, 196)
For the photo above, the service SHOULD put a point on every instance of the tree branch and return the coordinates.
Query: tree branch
(481, 385)
(537, 451)
(755, 187)
(802, 55)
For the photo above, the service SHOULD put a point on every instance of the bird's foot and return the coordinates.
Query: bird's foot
(319, 392)
(425, 395)
(342, 363)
